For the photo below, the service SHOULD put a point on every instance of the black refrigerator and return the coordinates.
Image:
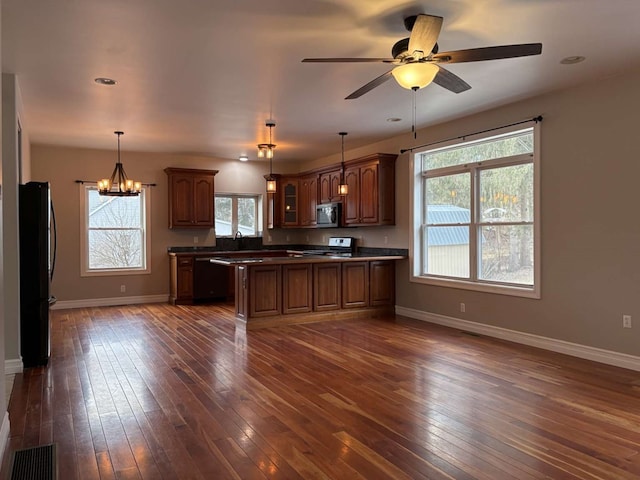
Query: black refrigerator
(37, 263)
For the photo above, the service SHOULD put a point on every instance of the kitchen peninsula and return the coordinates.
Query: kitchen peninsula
(280, 287)
(274, 291)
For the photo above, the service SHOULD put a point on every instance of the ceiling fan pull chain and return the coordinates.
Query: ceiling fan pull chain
(413, 120)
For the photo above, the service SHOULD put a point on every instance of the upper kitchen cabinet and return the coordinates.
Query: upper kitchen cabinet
(191, 197)
(308, 200)
(290, 200)
(371, 197)
(328, 191)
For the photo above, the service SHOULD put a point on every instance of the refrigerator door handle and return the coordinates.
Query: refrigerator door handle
(55, 241)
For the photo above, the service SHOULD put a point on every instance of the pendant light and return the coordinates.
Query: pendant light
(119, 185)
(266, 150)
(343, 188)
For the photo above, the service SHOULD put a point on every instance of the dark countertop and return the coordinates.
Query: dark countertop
(363, 252)
(294, 257)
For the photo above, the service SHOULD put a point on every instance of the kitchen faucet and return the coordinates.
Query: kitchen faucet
(237, 235)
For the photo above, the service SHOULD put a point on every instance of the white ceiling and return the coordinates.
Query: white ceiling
(203, 76)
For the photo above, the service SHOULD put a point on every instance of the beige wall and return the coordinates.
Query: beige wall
(12, 115)
(590, 221)
(61, 166)
(590, 218)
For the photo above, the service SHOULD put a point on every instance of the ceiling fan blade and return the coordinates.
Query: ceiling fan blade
(424, 34)
(450, 81)
(348, 60)
(489, 53)
(370, 86)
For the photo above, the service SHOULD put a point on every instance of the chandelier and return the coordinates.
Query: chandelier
(119, 185)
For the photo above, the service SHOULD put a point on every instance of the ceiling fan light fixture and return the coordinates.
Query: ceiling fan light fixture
(412, 75)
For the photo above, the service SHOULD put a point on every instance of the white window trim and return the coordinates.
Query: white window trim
(84, 239)
(415, 206)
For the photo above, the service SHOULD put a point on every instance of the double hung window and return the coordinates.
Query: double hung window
(115, 237)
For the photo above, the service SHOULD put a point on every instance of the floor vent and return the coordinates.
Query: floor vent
(37, 463)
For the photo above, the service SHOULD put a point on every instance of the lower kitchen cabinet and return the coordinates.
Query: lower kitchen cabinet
(355, 284)
(327, 282)
(181, 283)
(265, 296)
(297, 288)
(382, 282)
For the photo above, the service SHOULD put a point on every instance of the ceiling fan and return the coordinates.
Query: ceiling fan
(418, 63)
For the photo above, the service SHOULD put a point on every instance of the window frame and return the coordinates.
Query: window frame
(85, 271)
(234, 213)
(418, 215)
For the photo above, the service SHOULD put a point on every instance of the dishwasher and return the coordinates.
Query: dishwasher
(210, 280)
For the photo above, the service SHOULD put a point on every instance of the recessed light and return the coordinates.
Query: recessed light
(105, 81)
(572, 59)
(243, 158)
(394, 119)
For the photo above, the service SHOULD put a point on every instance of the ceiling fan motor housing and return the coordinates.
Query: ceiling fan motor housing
(400, 49)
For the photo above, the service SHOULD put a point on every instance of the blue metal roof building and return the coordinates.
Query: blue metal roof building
(449, 235)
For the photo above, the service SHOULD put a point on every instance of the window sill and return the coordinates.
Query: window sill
(526, 292)
(115, 273)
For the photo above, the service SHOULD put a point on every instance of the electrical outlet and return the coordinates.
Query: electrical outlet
(386, 240)
(288, 238)
(307, 238)
(269, 237)
(195, 240)
(626, 321)
(123, 288)
(463, 307)
(324, 239)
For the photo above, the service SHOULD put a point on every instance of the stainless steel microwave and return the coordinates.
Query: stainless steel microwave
(328, 215)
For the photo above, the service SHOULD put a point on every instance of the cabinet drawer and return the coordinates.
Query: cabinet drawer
(185, 262)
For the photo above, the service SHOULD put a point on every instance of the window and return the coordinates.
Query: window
(115, 233)
(237, 213)
(475, 214)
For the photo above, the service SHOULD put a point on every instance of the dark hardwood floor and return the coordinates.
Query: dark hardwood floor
(169, 392)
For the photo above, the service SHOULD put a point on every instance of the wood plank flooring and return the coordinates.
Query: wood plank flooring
(175, 392)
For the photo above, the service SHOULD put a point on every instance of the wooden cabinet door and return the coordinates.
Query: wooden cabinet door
(290, 203)
(203, 200)
(351, 204)
(181, 201)
(327, 286)
(328, 187)
(265, 290)
(308, 199)
(355, 284)
(382, 282)
(369, 194)
(184, 283)
(296, 288)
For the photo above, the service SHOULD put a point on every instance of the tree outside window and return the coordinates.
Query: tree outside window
(236, 213)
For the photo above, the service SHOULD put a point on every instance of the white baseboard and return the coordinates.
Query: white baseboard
(12, 366)
(574, 349)
(109, 302)
(5, 429)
